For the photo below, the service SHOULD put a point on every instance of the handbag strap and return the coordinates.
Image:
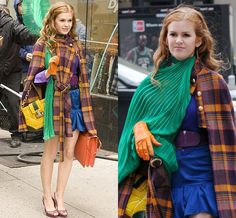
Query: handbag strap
(28, 92)
(26, 96)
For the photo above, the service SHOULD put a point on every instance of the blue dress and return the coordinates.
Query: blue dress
(76, 112)
(192, 184)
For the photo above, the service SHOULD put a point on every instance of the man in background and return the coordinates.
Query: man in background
(13, 36)
(141, 55)
(25, 50)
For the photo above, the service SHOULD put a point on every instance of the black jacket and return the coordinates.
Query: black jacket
(14, 35)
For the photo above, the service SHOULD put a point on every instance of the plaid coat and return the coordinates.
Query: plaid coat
(215, 112)
(66, 49)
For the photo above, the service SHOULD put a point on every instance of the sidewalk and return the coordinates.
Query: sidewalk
(91, 192)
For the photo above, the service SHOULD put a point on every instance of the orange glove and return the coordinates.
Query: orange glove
(53, 62)
(144, 140)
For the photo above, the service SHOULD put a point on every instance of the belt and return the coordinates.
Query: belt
(73, 87)
(61, 87)
(186, 138)
(65, 87)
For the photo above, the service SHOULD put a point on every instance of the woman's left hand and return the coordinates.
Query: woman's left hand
(144, 141)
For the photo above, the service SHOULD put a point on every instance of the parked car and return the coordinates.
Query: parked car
(129, 77)
(233, 96)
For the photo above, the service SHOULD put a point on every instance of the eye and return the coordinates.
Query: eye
(172, 34)
(187, 35)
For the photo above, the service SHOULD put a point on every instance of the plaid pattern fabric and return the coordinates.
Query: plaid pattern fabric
(85, 94)
(124, 191)
(66, 49)
(159, 203)
(217, 115)
(220, 121)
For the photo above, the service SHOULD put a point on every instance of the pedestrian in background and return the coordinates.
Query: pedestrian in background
(141, 54)
(26, 50)
(67, 94)
(13, 36)
(25, 55)
(177, 152)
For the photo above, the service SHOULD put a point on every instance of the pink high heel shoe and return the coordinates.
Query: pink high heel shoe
(61, 213)
(53, 213)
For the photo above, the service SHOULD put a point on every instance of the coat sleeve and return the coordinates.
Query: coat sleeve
(21, 34)
(223, 151)
(37, 65)
(23, 53)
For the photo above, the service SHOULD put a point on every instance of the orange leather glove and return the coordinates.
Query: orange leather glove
(144, 140)
(53, 62)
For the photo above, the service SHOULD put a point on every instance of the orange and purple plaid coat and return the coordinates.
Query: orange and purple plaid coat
(216, 113)
(66, 49)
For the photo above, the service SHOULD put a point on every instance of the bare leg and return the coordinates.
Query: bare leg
(46, 169)
(202, 215)
(64, 168)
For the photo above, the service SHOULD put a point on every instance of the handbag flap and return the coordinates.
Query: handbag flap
(92, 150)
(36, 105)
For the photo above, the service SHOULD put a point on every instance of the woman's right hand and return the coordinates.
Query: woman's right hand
(144, 140)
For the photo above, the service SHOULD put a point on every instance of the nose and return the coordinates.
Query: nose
(179, 40)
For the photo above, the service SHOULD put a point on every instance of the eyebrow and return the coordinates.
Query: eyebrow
(65, 19)
(172, 31)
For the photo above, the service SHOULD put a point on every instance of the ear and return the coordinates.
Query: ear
(198, 42)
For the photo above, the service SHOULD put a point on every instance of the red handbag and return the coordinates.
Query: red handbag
(86, 148)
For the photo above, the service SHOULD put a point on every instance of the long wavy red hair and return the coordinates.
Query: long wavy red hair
(49, 32)
(206, 51)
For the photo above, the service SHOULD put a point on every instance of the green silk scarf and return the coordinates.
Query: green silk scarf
(162, 106)
(48, 130)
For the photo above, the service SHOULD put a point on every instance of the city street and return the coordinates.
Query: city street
(91, 192)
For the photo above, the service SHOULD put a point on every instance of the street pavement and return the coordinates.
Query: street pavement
(90, 192)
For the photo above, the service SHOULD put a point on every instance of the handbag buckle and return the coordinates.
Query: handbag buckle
(65, 88)
(39, 113)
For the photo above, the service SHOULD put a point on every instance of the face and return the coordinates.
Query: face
(19, 8)
(142, 41)
(63, 23)
(182, 39)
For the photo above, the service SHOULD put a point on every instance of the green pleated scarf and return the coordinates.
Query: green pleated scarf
(48, 130)
(162, 106)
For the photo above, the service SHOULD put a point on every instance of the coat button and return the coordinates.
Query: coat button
(199, 93)
(200, 108)
(193, 80)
